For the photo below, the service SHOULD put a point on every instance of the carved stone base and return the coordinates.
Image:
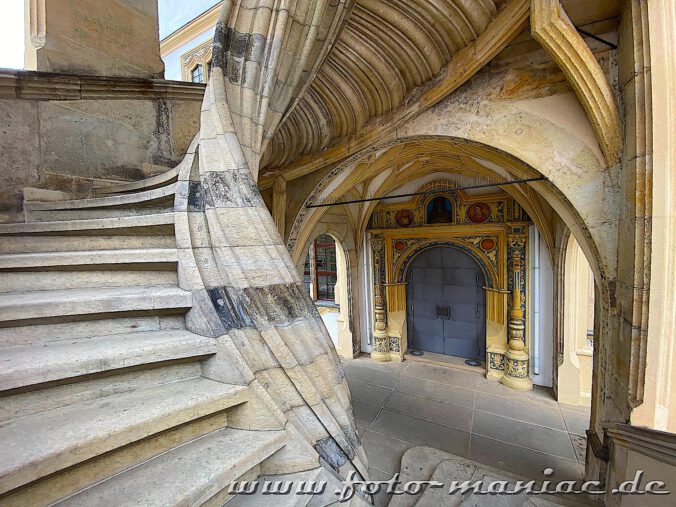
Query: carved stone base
(495, 362)
(381, 347)
(516, 371)
(382, 357)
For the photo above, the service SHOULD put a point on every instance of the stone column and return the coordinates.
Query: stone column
(279, 204)
(381, 347)
(344, 347)
(516, 357)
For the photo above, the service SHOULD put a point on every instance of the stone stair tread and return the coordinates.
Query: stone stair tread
(94, 257)
(186, 475)
(132, 186)
(89, 224)
(27, 365)
(102, 202)
(43, 443)
(310, 478)
(50, 303)
(46, 194)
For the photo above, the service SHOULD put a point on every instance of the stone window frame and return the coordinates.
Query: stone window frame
(311, 273)
(199, 55)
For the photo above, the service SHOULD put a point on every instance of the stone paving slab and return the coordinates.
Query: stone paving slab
(404, 406)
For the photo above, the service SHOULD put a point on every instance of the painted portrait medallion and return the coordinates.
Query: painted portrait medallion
(487, 244)
(478, 212)
(399, 246)
(404, 217)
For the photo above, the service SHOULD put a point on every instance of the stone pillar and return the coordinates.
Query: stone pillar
(517, 373)
(111, 38)
(381, 347)
(344, 347)
(279, 204)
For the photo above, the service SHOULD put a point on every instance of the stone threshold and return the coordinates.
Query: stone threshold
(445, 361)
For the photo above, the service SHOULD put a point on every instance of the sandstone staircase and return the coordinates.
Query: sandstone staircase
(103, 401)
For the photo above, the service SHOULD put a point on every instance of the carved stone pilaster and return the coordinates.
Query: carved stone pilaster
(517, 374)
(381, 346)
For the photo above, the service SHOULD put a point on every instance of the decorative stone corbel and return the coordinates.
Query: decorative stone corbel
(552, 28)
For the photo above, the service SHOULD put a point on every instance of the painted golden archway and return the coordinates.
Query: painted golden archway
(458, 237)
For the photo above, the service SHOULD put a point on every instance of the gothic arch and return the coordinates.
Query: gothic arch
(344, 241)
(581, 212)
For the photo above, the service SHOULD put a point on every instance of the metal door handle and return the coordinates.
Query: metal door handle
(443, 312)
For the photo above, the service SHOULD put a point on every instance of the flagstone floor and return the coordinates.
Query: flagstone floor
(402, 405)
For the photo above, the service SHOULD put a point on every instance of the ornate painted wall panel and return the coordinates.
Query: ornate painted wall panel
(490, 227)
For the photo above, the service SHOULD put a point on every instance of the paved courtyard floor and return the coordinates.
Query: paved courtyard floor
(401, 405)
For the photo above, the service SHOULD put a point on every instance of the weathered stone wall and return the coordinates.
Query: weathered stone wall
(54, 125)
(111, 38)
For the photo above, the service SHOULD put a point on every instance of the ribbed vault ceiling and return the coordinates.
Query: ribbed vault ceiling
(387, 49)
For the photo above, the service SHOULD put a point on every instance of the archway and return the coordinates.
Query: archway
(576, 325)
(446, 304)
(570, 196)
(327, 277)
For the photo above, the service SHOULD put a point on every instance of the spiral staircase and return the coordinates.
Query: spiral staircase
(103, 396)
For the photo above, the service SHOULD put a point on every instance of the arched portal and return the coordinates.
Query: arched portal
(327, 276)
(519, 338)
(446, 304)
(576, 330)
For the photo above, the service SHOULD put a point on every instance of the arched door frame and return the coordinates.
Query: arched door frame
(349, 256)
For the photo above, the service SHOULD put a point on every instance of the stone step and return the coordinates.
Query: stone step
(19, 403)
(54, 303)
(158, 207)
(41, 444)
(93, 224)
(89, 257)
(144, 197)
(96, 277)
(318, 479)
(187, 475)
(82, 329)
(46, 362)
(134, 186)
(109, 239)
(45, 194)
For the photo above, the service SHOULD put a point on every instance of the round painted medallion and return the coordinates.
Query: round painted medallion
(478, 212)
(404, 217)
(399, 246)
(487, 244)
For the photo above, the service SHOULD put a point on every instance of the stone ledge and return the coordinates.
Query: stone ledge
(31, 85)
